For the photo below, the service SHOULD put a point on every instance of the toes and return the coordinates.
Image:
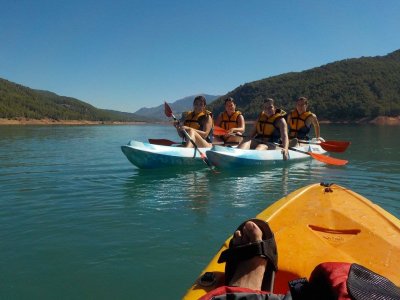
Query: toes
(237, 238)
(252, 232)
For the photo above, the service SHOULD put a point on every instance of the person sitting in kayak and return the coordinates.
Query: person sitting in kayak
(300, 121)
(198, 124)
(270, 128)
(232, 121)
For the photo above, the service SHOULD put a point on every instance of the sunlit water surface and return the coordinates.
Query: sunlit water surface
(78, 221)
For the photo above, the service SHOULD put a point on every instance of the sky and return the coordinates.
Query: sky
(125, 55)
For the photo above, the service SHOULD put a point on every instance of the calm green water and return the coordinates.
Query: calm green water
(78, 221)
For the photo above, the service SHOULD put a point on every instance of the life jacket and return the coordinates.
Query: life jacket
(343, 281)
(229, 122)
(196, 121)
(267, 128)
(297, 126)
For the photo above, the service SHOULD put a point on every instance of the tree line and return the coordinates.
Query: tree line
(348, 90)
(20, 101)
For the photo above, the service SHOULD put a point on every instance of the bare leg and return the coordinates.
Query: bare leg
(245, 145)
(249, 273)
(200, 142)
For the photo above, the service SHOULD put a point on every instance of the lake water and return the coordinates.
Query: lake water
(78, 221)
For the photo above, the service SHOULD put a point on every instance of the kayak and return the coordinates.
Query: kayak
(322, 223)
(149, 156)
(226, 157)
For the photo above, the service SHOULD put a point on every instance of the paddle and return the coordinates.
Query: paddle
(221, 131)
(163, 142)
(323, 158)
(168, 112)
(331, 146)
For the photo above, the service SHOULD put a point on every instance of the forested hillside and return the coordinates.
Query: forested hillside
(20, 101)
(347, 90)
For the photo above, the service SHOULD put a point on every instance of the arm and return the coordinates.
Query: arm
(315, 123)
(178, 128)
(284, 137)
(241, 125)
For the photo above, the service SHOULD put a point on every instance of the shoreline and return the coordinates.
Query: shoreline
(381, 120)
(26, 121)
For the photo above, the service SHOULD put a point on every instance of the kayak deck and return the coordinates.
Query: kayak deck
(318, 224)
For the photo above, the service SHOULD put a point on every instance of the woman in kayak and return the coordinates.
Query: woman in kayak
(232, 121)
(269, 129)
(198, 124)
(300, 121)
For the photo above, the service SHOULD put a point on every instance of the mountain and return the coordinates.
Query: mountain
(178, 107)
(18, 101)
(347, 90)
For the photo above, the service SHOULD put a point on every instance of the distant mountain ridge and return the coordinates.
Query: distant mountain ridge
(179, 106)
(344, 91)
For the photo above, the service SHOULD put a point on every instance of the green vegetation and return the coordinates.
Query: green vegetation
(20, 101)
(348, 90)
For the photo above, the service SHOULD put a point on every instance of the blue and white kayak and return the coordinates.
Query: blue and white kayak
(149, 156)
(226, 157)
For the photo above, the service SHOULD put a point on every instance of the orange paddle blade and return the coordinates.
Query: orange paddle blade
(219, 131)
(328, 159)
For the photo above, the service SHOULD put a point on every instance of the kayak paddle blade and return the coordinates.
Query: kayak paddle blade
(162, 142)
(167, 110)
(335, 146)
(219, 131)
(327, 159)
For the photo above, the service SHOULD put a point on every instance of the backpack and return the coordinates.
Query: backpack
(343, 281)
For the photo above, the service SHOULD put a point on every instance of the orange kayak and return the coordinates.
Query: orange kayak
(321, 223)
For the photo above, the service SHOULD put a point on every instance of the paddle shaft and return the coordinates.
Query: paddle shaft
(168, 112)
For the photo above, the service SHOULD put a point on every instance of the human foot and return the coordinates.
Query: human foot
(249, 273)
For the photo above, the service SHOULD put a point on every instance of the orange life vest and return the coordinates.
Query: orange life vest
(297, 126)
(229, 122)
(196, 121)
(267, 128)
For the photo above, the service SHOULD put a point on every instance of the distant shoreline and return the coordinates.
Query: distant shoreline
(382, 120)
(26, 121)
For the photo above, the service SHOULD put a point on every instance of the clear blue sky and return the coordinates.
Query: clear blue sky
(125, 55)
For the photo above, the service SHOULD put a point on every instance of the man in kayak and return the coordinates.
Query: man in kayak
(300, 121)
(269, 129)
(232, 121)
(198, 124)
